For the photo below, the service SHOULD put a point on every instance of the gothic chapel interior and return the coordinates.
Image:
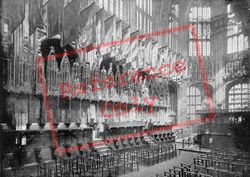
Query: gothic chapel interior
(130, 88)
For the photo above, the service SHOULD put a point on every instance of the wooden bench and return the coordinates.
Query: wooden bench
(169, 174)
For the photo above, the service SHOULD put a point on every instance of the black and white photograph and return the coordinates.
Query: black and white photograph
(124, 88)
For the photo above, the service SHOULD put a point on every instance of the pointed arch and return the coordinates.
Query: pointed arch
(197, 98)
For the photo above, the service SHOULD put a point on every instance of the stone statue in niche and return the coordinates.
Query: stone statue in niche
(111, 91)
(131, 87)
(151, 87)
(117, 79)
(124, 87)
(141, 53)
(110, 75)
(95, 83)
(144, 89)
(139, 90)
(75, 74)
(131, 90)
(89, 93)
(85, 77)
(104, 90)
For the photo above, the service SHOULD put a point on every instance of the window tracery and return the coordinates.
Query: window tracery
(239, 97)
(236, 41)
(200, 18)
(194, 101)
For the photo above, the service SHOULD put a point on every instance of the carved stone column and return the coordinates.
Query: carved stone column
(218, 48)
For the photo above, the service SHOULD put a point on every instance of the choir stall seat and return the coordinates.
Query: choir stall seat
(131, 142)
(62, 161)
(124, 143)
(153, 138)
(172, 137)
(161, 136)
(110, 144)
(117, 144)
(165, 137)
(169, 137)
(156, 137)
(100, 147)
(138, 141)
(148, 140)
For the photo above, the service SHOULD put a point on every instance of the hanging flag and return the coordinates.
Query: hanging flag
(53, 25)
(148, 53)
(141, 53)
(14, 11)
(154, 54)
(110, 28)
(125, 46)
(119, 30)
(117, 39)
(109, 25)
(35, 17)
(100, 16)
(70, 31)
(55, 15)
(133, 47)
(86, 26)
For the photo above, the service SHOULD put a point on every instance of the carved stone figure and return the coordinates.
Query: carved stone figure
(95, 81)
(141, 54)
(104, 89)
(145, 89)
(111, 91)
(117, 79)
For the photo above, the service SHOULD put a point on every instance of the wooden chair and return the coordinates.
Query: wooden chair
(177, 172)
(169, 174)
(110, 144)
(138, 141)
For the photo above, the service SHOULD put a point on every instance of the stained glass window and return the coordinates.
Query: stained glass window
(239, 97)
(236, 41)
(200, 17)
(194, 101)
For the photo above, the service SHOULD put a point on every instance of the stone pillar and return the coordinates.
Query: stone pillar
(182, 102)
(218, 48)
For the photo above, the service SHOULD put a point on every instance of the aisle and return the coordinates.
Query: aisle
(151, 171)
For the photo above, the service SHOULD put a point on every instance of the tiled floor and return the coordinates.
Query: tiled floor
(151, 171)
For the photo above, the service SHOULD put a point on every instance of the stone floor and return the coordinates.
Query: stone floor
(151, 171)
